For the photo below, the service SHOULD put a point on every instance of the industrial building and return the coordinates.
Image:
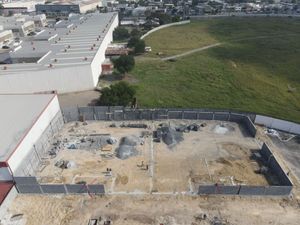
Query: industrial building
(25, 136)
(63, 56)
(18, 6)
(65, 7)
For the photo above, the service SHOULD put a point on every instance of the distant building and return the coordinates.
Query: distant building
(8, 11)
(6, 37)
(65, 7)
(28, 4)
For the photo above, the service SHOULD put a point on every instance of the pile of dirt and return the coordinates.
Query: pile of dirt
(170, 136)
(223, 128)
(127, 147)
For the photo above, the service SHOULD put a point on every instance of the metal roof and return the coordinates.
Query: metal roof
(17, 115)
(67, 43)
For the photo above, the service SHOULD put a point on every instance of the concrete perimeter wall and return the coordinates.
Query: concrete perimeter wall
(284, 189)
(241, 15)
(274, 165)
(30, 185)
(278, 124)
(165, 26)
(244, 190)
(121, 113)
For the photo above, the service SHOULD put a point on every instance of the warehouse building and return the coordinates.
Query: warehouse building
(65, 7)
(28, 123)
(66, 56)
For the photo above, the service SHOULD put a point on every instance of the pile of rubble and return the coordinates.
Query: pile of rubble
(172, 135)
(127, 147)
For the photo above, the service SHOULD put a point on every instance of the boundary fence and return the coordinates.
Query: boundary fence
(284, 189)
(30, 185)
(278, 124)
(121, 113)
(233, 14)
(244, 190)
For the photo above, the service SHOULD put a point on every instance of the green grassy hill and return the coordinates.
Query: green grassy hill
(256, 68)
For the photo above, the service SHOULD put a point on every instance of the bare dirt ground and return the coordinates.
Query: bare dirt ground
(151, 209)
(217, 153)
(159, 195)
(83, 98)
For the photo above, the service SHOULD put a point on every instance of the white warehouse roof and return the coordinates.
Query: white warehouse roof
(69, 43)
(17, 115)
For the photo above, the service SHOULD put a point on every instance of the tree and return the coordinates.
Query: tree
(124, 63)
(135, 33)
(139, 47)
(132, 42)
(121, 33)
(163, 18)
(119, 94)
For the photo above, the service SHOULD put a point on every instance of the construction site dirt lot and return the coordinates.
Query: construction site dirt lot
(126, 158)
(153, 209)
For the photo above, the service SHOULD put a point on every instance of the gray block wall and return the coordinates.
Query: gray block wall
(218, 189)
(274, 165)
(249, 126)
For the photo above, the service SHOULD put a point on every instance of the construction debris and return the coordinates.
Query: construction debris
(65, 164)
(135, 125)
(112, 140)
(106, 148)
(93, 222)
(188, 128)
(200, 217)
(16, 217)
